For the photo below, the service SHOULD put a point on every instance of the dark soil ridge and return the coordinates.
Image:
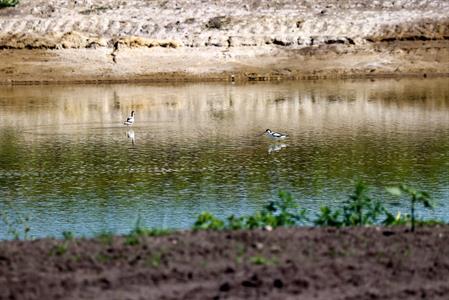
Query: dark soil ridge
(299, 263)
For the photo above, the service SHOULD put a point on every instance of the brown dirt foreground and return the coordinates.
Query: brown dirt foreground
(301, 263)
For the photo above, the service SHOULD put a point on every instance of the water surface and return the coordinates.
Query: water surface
(68, 163)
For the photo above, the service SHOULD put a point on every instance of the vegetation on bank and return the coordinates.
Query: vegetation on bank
(8, 3)
(358, 210)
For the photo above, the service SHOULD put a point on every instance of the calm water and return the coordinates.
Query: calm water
(68, 163)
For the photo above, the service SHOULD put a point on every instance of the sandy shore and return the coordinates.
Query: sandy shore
(163, 40)
(301, 263)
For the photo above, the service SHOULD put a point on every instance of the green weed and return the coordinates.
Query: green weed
(281, 212)
(132, 240)
(359, 210)
(106, 238)
(208, 221)
(8, 3)
(415, 197)
(261, 260)
(59, 249)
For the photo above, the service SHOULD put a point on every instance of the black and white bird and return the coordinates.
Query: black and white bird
(275, 135)
(130, 120)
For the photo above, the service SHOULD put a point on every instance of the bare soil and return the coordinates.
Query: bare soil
(44, 41)
(300, 263)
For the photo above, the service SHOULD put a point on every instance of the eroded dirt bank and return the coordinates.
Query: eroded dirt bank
(302, 263)
(112, 40)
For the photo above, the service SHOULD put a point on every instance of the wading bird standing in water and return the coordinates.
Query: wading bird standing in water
(275, 135)
(130, 120)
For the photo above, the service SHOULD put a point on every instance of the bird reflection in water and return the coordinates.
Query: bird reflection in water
(131, 136)
(276, 147)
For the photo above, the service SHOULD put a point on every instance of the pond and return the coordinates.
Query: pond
(67, 162)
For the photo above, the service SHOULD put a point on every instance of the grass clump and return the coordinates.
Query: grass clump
(59, 249)
(8, 3)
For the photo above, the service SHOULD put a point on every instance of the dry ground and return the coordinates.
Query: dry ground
(155, 40)
(301, 263)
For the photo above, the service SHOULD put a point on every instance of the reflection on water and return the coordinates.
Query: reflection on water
(276, 147)
(131, 136)
(68, 162)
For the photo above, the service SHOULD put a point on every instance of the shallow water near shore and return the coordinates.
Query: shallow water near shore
(68, 164)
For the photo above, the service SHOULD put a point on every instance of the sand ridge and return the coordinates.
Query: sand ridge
(229, 37)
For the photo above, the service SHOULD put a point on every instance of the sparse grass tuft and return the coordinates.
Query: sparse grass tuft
(59, 249)
(106, 238)
(261, 260)
(154, 260)
(133, 238)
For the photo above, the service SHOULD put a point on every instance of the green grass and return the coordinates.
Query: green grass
(59, 249)
(106, 238)
(8, 3)
(261, 260)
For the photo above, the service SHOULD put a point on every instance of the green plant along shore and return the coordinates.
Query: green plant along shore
(358, 210)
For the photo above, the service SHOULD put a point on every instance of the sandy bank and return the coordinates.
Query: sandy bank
(302, 263)
(110, 40)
